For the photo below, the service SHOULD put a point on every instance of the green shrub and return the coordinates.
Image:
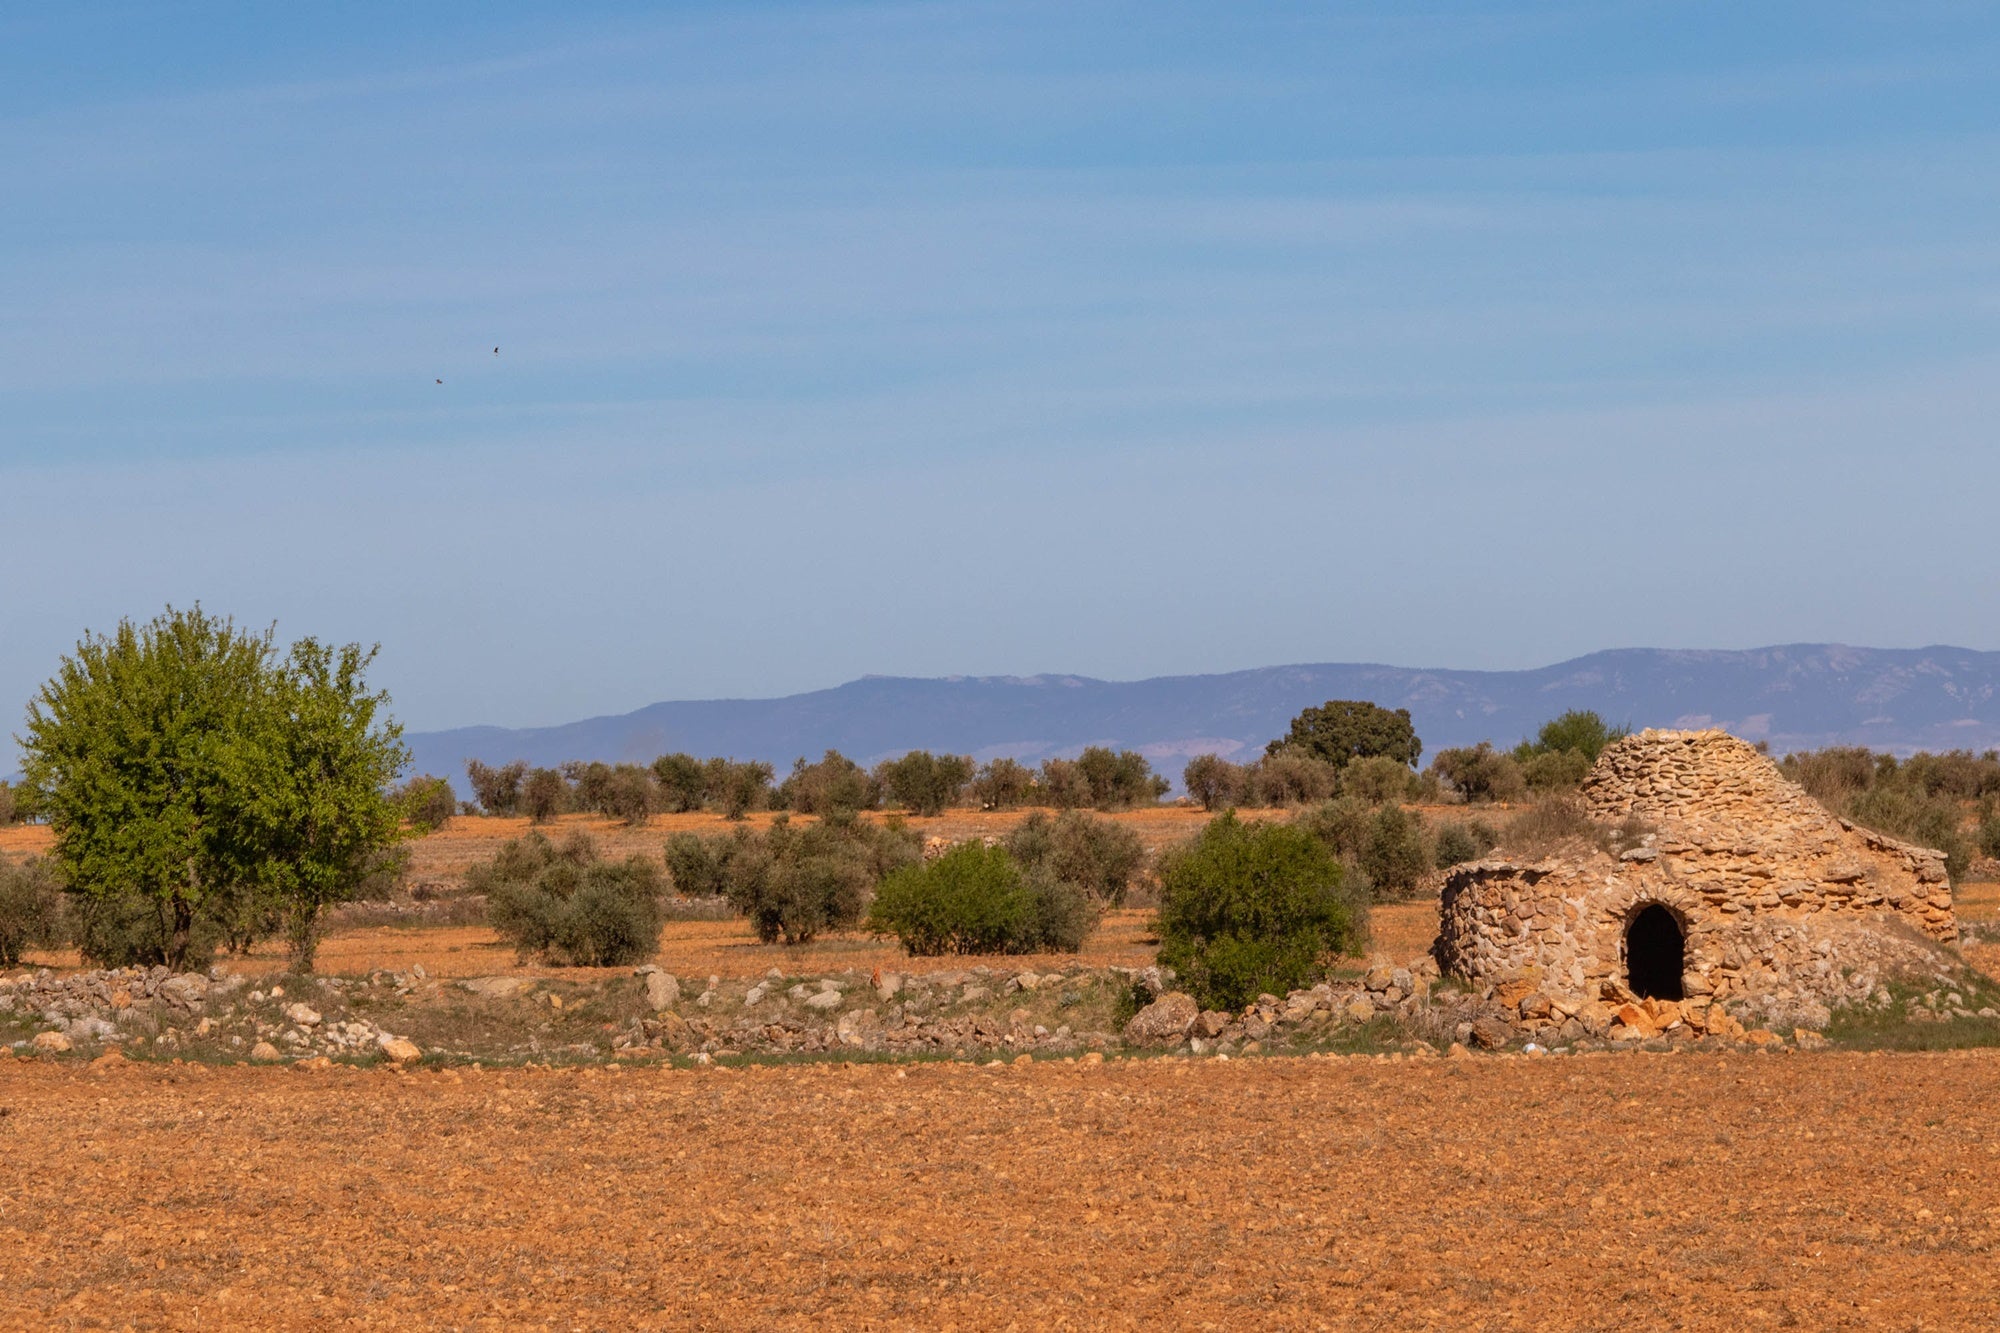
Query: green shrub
(567, 905)
(1119, 779)
(1987, 838)
(738, 788)
(544, 795)
(126, 930)
(682, 782)
(1288, 777)
(31, 908)
(1376, 779)
(835, 783)
(1479, 773)
(925, 783)
(1397, 856)
(795, 885)
(7, 804)
(428, 803)
(1212, 781)
(1579, 730)
(695, 865)
(498, 790)
(1247, 909)
(627, 795)
(1458, 843)
(1556, 770)
(1002, 784)
(1342, 730)
(1063, 785)
(975, 899)
(1098, 856)
(1342, 826)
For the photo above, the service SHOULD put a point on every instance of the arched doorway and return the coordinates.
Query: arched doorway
(1655, 953)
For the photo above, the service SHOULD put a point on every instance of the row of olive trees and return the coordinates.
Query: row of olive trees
(203, 786)
(918, 782)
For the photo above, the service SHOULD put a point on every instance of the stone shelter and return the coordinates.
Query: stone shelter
(1730, 885)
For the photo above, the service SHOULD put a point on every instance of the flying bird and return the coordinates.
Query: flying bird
(440, 381)
(496, 351)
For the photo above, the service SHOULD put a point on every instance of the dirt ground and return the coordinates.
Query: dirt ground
(1628, 1192)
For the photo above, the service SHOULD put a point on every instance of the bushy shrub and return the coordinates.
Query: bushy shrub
(1341, 825)
(427, 802)
(738, 788)
(1342, 730)
(1559, 823)
(976, 899)
(1288, 777)
(125, 930)
(1002, 784)
(1397, 855)
(1212, 781)
(1247, 909)
(1458, 842)
(834, 783)
(1832, 775)
(802, 887)
(925, 783)
(1098, 856)
(567, 905)
(1063, 785)
(695, 865)
(681, 781)
(1556, 770)
(1928, 821)
(1480, 773)
(1376, 779)
(544, 795)
(6, 803)
(1987, 837)
(627, 795)
(498, 790)
(1579, 729)
(1119, 779)
(31, 908)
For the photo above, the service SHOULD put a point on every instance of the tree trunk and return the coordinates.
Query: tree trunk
(182, 932)
(304, 935)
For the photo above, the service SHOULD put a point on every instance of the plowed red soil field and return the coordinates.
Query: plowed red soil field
(1620, 1192)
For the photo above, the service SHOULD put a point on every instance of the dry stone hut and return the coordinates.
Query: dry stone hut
(1741, 890)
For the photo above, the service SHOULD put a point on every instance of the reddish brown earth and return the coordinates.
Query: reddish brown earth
(1626, 1192)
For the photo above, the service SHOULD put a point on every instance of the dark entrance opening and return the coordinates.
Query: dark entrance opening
(1655, 953)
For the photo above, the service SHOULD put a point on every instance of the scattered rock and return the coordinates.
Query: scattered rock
(1164, 1021)
(264, 1053)
(303, 1014)
(498, 988)
(399, 1049)
(824, 1000)
(52, 1043)
(663, 989)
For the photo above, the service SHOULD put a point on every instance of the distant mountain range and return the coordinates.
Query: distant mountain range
(1800, 696)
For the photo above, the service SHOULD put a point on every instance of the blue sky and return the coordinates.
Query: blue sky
(941, 338)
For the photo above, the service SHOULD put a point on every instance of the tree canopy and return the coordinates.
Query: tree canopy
(1341, 730)
(187, 771)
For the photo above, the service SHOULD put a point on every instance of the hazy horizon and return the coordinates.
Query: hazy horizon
(1121, 340)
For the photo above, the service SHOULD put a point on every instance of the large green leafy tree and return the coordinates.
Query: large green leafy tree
(316, 785)
(184, 770)
(1340, 730)
(129, 750)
